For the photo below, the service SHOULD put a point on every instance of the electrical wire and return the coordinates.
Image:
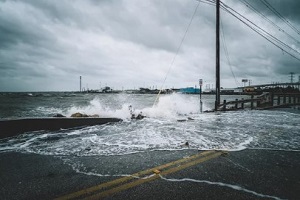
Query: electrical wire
(262, 34)
(227, 54)
(175, 56)
(206, 2)
(275, 41)
(268, 5)
(248, 5)
(265, 32)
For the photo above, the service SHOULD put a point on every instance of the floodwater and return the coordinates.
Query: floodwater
(173, 121)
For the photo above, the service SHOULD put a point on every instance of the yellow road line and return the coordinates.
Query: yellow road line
(124, 179)
(141, 181)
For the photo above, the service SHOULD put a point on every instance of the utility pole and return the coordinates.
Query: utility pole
(244, 81)
(217, 102)
(80, 83)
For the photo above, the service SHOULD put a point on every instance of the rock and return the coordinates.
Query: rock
(139, 116)
(186, 144)
(79, 115)
(76, 115)
(88, 148)
(83, 115)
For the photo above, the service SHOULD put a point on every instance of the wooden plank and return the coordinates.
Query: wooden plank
(278, 106)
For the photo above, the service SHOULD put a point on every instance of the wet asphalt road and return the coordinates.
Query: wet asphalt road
(247, 174)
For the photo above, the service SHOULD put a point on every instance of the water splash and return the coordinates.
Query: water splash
(161, 130)
(168, 106)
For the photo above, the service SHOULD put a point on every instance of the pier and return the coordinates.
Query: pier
(268, 100)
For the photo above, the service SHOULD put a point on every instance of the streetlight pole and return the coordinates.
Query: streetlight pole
(200, 83)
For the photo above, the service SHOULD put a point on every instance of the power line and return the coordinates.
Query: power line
(175, 56)
(248, 5)
(206, 2)
(227, 54)
(265, 32)
(258, 30)
(268, 5)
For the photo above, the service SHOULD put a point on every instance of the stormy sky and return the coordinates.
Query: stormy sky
(45, 45)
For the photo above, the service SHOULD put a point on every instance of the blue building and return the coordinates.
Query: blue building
(189, 90)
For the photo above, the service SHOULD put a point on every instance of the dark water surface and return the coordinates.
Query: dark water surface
(104, 150)
(233, 131)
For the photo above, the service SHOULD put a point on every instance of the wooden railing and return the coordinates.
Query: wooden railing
(264, 101)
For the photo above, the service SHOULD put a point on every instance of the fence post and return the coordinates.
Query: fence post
(242, 104)
(284, 99)
(290, 99)
(224, 105)
(236, 103)
(278, 100)
(272, 99)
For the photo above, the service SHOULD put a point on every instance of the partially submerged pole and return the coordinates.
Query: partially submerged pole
(217, 102)
(224, 105)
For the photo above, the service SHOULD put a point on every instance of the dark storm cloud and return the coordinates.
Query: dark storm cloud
(13, 33)
(131, 43)
(287, 8)
(254, 56)
(116, 18)
(285, 66)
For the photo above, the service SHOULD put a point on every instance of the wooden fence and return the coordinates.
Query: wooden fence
(262, 102)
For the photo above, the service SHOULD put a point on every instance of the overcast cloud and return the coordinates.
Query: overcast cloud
(46, 45)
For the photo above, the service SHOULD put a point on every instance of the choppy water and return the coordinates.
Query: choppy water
(276, 129)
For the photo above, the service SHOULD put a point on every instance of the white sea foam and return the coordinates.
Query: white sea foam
(231, 131)
(47, 110)
(81, 169)
(160, 131)
(168, 106)
(243, 145)
(127, 138)
(234, 187)
(172, 106)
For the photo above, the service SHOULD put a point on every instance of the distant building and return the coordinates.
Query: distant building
(209, 91)
(238, 90)
(227, 90)
(249, 89)
(189, 90)
(106, 90)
